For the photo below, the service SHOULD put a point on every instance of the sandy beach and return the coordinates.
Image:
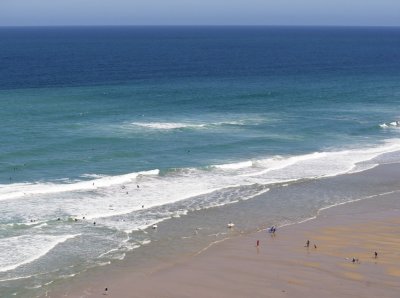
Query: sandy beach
(282, 265)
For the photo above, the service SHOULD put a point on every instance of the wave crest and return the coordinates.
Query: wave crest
(390, 124)
(167, 125)
(234, 166)
(184, 125)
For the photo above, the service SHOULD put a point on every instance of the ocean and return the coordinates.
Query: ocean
(106, 131)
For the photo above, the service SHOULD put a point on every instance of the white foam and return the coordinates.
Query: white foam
(356, 200)
(106, 200)
(167, 125)
(27, 223)
(18, 190)
(93, 176)
(390, 124)
(20, 250)
(319, 164)
(165, 194)
(180, 125)
(234, 166)
(362, 167)
(279, 162)
(16, 278)
(256, 194)
(40, 225)
(239, 123)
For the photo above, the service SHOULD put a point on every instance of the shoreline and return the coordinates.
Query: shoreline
(155, 278)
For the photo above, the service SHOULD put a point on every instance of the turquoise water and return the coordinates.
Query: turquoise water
(67, 132)
(127, 127)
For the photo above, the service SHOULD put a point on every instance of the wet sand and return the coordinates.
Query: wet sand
(281, 266)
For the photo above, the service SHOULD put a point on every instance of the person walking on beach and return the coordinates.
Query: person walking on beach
(258, 243)
(376, 255)
(307, 244)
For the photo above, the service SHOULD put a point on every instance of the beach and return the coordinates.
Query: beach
(281, 266)
(187, 129)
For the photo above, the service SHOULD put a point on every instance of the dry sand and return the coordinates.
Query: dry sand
(281, 266)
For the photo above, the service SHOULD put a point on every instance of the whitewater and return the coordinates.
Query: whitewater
(111, 200)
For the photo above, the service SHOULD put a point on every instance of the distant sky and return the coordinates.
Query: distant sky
(200, 12)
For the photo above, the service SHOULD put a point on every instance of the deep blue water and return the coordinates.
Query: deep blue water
(207, 115)
(49, 57)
